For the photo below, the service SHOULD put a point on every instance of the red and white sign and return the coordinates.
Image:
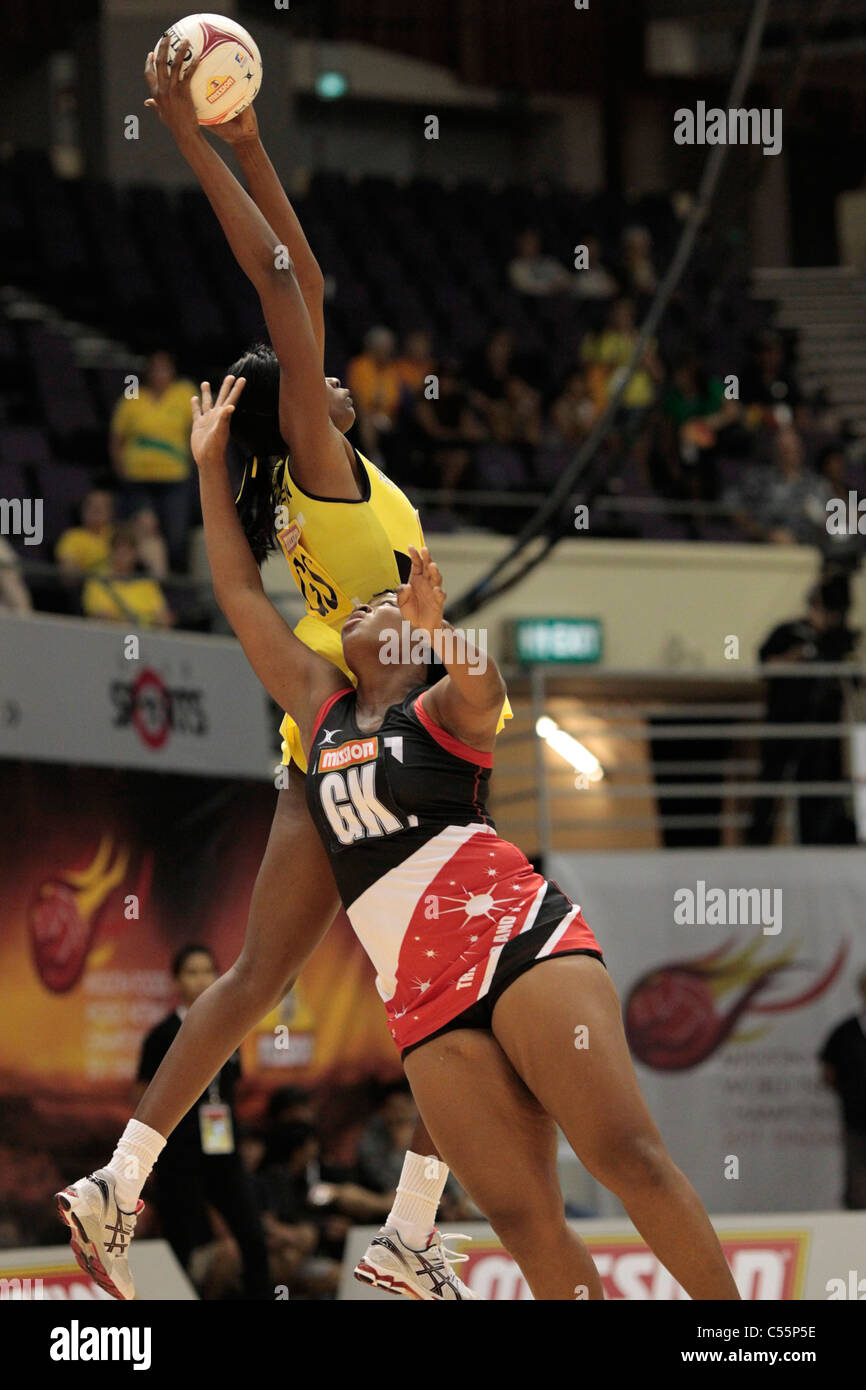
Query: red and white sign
(765, 1265)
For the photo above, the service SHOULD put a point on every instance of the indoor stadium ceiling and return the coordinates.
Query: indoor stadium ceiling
(523, 45)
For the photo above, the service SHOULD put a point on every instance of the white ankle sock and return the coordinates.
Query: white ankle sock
(418, 1193)
(137, 1150)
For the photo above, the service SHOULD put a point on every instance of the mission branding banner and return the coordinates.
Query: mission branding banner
(77, 691)
(779, 1256)
(732, 968)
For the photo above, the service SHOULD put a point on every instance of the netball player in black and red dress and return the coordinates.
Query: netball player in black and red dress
(463, 933)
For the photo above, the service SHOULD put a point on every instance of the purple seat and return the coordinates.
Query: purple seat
(13, 482)
(23, 444)
(500, 468)
(63, 487)
(654, 527)
(550, 462)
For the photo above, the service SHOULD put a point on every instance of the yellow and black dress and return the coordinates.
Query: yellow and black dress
(341, 553)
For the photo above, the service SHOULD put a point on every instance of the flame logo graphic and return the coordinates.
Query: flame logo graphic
(672, 1015)
(63, 915)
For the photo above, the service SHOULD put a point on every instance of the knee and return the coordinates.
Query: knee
(633, 1162)
(526, 1220)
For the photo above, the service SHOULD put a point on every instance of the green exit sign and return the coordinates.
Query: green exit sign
(556, 639)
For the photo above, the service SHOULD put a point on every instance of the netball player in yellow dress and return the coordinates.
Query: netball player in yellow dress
(345, 530)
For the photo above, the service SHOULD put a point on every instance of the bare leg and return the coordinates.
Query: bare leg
(283, 930)
(501, 1146)
(422, 1142)
(593, 1094)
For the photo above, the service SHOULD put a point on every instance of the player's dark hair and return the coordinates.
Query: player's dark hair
(183, 955)
(255, 429)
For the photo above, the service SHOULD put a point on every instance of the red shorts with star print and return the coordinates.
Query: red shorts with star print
(483, 919)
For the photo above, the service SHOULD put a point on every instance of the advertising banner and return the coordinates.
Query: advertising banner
(777, 1256)
(51, 1272)
(104, 874)
(93, 693)
(732, 968)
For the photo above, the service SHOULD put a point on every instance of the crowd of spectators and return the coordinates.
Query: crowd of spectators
(741, 454)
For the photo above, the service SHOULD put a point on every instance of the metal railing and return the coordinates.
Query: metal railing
(611, 714)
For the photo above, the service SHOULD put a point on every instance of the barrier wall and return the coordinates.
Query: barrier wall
(782, 1255)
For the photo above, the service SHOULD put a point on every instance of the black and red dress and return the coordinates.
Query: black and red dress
(448, 913)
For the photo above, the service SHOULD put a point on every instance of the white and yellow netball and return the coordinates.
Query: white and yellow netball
(229, 73)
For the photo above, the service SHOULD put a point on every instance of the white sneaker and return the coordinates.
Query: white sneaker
(389, 1263)
(101, 1232)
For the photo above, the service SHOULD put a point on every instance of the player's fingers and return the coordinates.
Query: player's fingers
(162, 60)
(235, 392)
(206, 397)
(196, 409)
(177, 65)
(224, 390)
(150, 74)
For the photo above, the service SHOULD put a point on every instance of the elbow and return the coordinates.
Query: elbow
(312, 281)
(492, 690)
(280, 265)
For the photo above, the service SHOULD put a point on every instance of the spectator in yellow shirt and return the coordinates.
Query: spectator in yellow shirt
(149, 446)
(416, 362)
(85, 549)
(376, 385)
(122, 594)
(607, 353)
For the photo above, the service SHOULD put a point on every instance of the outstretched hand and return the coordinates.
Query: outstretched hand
(422, 598)
(211, 420)
(169, 87)
(240, 129)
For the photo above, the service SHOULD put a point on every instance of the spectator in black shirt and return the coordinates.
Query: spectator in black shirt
(843, 1058)
(200, 1165)
(822, 636)
(768, 383)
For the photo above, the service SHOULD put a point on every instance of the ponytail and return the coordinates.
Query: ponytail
(257, 502)
(255, 430)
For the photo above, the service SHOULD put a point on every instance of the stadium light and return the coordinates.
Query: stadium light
(331, 85)
(568, 748)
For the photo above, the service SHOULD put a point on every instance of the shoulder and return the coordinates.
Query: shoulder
(425, 705)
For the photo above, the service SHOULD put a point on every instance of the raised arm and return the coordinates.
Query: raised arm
(305, 423)
(269, 196)
(467, 702)
(294, 676)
